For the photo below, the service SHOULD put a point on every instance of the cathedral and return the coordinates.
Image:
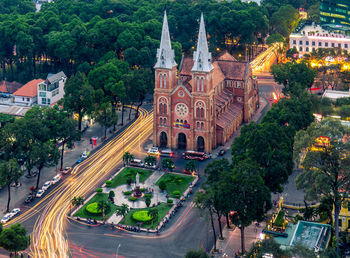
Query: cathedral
(200, 104)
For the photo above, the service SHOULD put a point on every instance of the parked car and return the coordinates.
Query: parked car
(6, 218)
(85, 154)
(222, 152)
(154, 151)
(67, 170)
(55, 179)
(40, 193)
(153, 166)
(46, 185)
(15, 211)
(136, 163)
(29, 198)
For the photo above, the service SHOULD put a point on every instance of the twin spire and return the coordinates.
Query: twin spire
(201, 57)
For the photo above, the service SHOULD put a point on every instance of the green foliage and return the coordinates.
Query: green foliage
(190, 165)
(111, 194)
(170, 201)
(128, 172)
(174, 182)
(148, 195)
(342, 101)
(132, 198)
(344, 111)
(284, 20)
(274, 38)
(142, 190)
(279, 219)
(76, 201)
(5, 118)
(196, 254)
(93, 208)
(141, 216)
(150, 160)
(162, 185)
(14, 238)
(122, 210)
(128, 157)
(177, 193)
(127, 192)
(108, 183)
(99, 190)
(129, 180)
(168, 164)
(147, 201)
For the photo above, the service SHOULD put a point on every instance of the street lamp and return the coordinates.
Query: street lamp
(116, 255)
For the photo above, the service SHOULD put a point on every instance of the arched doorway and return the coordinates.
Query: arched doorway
(163, 141)
(200, 143)
(181, 141)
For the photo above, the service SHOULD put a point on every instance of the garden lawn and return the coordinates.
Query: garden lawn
(163, 208)
(98, 197)
(175, 182)
(121, 178)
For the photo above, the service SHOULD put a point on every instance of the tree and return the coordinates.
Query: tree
(122, 210)
(249, 195)
(190, 166)
(76, 201)
(14, 239)
(153, 213)
(150, 160)
(162, 185)
(102, 206)
(9, 173)
(196, 254)
(127, 158)
(321, 150)
(111, 195)
(284, 20)
(168, 164)
(259, 249)
(148, 201)
(78, 96)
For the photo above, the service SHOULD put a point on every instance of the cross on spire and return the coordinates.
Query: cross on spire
(202, 56)
(165, 54)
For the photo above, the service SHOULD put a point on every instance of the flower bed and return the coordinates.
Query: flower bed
(141, 216)
(127, 172)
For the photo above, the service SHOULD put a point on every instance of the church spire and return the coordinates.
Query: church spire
(202, 56)
(165, 55)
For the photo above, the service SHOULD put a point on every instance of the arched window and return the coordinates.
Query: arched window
(202, 112)
(202, 126)
(177, 120)
(185, 121)
(164, 121)
(197, 79)
(181, 121)
(164, 77)
(164, 108)
(202, 84)
(160, 108)
(161, 121)
(160, 81)
(197, 112)
(198, 125)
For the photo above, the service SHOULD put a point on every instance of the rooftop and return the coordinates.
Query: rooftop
(335, 94)
(317, 32)
(9, 87)
(30, 89)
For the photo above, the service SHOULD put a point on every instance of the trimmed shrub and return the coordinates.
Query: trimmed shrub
(99, 190)
(129, 180)
(148, 195)
(142, 190)
(108, 183)
(141, 216)
(111, 194)
(177, 193)
(170, 201)
(162, 185)
(148, 201)
(132, 198)
(127, 192)
(92, 209)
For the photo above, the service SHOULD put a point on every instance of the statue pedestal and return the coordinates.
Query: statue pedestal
(137, 192)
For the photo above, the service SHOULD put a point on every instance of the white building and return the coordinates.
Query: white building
(312, 37)
(52, 89)
(27, 94)
(335, 94)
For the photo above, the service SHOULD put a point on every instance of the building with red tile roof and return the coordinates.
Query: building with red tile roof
(28, 93)
(9, 87)
(201, 104)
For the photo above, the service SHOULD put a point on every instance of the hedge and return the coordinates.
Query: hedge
(132, 198)
(141, 216)
(92, 209)
(127, 192)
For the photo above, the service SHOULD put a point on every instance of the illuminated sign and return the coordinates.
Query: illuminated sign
(323, 141)
(181, 125)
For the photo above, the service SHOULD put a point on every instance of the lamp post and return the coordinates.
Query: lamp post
(116, 255)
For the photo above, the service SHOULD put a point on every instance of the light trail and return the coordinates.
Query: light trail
(262, 60)
(48, 237)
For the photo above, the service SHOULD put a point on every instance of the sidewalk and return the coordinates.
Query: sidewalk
(232, 240)
(18, 194)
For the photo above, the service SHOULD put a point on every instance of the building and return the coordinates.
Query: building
(201, 104)
(28, 93)
(311, 37)
(52, 89)
(335, 14)
(344, 216)
(8, 88)
(336, 94)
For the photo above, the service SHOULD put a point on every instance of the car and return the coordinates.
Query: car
(40, 193)
(15, 211)
(29, 198)
(149, 166)
(67, 170)
(154, 151)
(6, 218)
(85, 154)
(46, 185)
(136, 163)
(55, 179)
(222, 152)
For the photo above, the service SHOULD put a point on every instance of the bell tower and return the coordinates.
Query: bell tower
(165, 81)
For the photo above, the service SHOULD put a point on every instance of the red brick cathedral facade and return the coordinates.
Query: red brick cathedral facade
(199, 106)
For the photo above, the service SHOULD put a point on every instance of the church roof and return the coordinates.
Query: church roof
(165, 54)
(187, 66)
(229, 115)
(202, 56)
(225, 56)
(233, 70)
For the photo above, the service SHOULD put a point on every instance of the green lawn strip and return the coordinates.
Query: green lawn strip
(121, 178)
(98, 197)
(175, 182)
(279, 219)
(163, 208)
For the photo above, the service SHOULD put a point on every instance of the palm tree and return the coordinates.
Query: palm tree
(190, 166)
(102, 206)
(127, 157)
(150, 160)
(153, 213)
(122, 210)
(76, 201)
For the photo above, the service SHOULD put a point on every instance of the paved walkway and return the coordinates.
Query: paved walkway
(18, 194)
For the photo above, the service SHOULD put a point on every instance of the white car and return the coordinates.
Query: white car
(154, 151)
(46, 185)
(84, 155)
(15, 211)
(6, 218)
(40, 193)
(55, 179)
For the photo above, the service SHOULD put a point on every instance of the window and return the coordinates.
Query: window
(185, 121)
(202, 112)
(333, 45)
(198, 125)
(160, 108)
(164, 77)
(42, 87)
(22, 99)
(339, 45)
(239, 99)
(177, 120)
(164, 108)
(43, 101)
(294, 42)
(313, 43)
(326, 44)
(300, 42)
(27, 99)
(313, 49)
(345, 45)
(202, 126)
(238, 84)
(197, 112)
(320, 44)
(197, 79)
(48, 101)
(307, 43)
(164, 121)
(161, 121)
(202, 84)
(160, 81)
(307, 49)
(300, 49)
(42, 94)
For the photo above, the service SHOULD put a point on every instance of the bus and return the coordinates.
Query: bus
(166, 153)
(195, 155)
